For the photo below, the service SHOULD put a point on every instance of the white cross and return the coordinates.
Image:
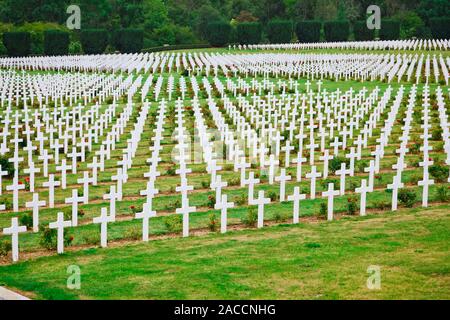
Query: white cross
(363, 189)
(251, 181)
(35, 204)
(282, 178)
(296, 197)
(103, 221)
(299, 160)
(352, 155)
(185, 210)
(59, 225)
(94, 166)
(112, 196)
(371, 170)
(85, 181)
(313, 175)
(15, 187)
(325, 158)
(330, 194)
(223, 206)
(14, 231)
(218, 184)
(120, 177)
(2, 173)
(51, 184)
(63, 168)
(145, 215)
(425, 183)
(74, 200)
(342, 172)
(260, 202)
(395, 185)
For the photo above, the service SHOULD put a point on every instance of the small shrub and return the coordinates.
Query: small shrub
(324, 183)
(323, 211)
(279, 217)
(211, 201)
(273, 196)
(205, 184)
(361, 165)
(17, 44)
(134, 209)
(133, 233)
(173, 222)
(234, 182)
(382, 205)
(335, 163)
(407, 197)
(5, 247)
(27, 220)
(212, 222)
(352, 205)
(436, 134)
(241, 200)
(251, 218)
(48, 238)
(94, 41)
(171, 171)
(439, 172)
(442, 194)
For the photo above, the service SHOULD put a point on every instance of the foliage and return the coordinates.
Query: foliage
(18, 44)
(26, 220)
(442, 194)
(56, 42)
(218, 33)
(279, 31)
(440, 27)
(75, 48)
(323, 209)
(48, 238)
(407, 197)
(7, 166)
(352, 205)
(5, 247)
(128, 40)
(248, 33)
(173, 222)
(212, 222)
(211, 201)
(338, 30)
(362, 33)
(94, 41)
(439, 172)
(250, 218)
(390, 29)
(335, 163)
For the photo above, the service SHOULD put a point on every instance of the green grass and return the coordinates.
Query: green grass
(306, 261)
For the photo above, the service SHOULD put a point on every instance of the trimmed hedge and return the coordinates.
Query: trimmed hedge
(17, 44)
(337, 30)
(308, 31)
(279, 31)
(218, 33)
(248, 32)
(440, 28)
(56, 42)
(362, 33)
(94, 41)
(390, 30)
(176, 47)
(128, 40)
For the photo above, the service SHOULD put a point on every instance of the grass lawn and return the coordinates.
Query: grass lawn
(306, 261)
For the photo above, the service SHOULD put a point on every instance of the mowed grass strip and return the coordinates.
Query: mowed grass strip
(306, 261)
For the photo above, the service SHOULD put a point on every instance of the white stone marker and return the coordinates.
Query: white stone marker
(313, 175)
(363, 190)
(51, 184)
(330, 195)
(185, 210)
(223, 206)
(394, 186)
(35, 204)
(63, 168)
(14, 231)
(260, 202)
(74, 200)
(15, 187)
(103, 221)
(59, 225)
(145, 215)
(282, 178)
(296, 197)
(112, 196)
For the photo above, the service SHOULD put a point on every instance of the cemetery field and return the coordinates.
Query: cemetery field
(242, 174)
(306, 261)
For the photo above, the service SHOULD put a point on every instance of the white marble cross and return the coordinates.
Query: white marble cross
(330, 194)
(74, 200)
(260, 202)
(145, 215)
(59, 225)
(185, 210)
(363, 190)
(103, 221)
(223, 206)
(15, 187)
(14, 231)
(51, 184)
(282, 178)
(296, 197)
(112, 196)
(251, 181)
(35, 204)
(394, 186)
(313, 175)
